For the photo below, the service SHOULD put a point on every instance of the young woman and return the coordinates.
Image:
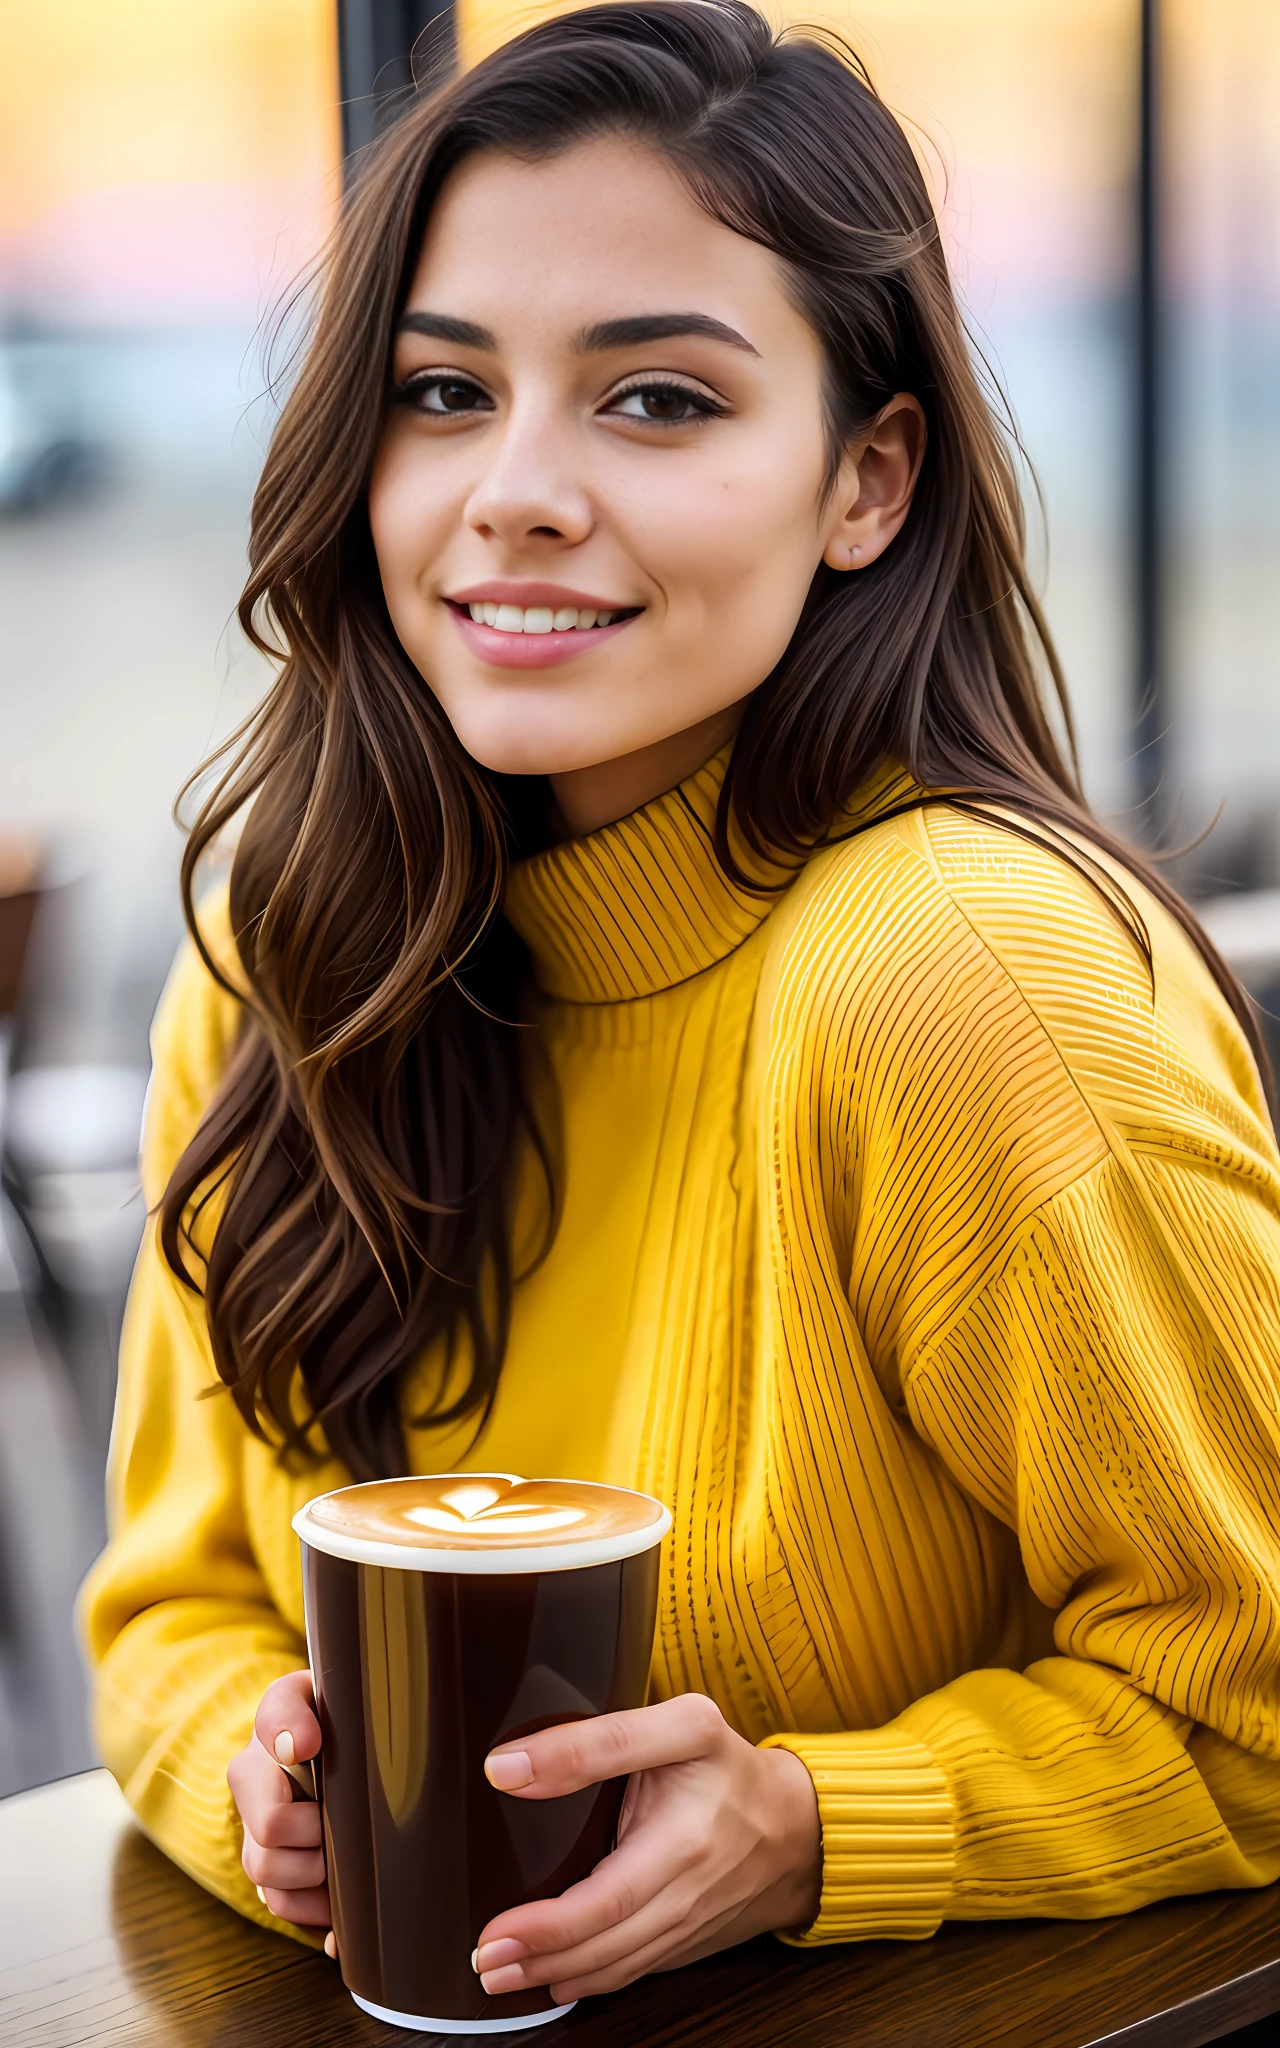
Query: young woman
(677, 1022)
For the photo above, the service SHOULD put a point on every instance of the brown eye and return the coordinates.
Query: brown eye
(444, 395)
(455, 396)
(666, 405)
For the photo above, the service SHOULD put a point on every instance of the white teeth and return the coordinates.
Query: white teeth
(538, 618)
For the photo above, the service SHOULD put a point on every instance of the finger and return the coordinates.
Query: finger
(282, 1870)
(657, 1926)
(666, 1952)
(294, 1826)
(671, 1947)
(286, 1723)
(266, 1804)
(594, 1921)
(303, 1909)
(580, 1753)
(655, 1939)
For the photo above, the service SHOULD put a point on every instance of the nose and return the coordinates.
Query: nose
(530, 490)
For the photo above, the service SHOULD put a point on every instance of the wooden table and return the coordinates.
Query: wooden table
(103, 1941)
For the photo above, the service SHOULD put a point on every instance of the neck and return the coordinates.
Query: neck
(591, 797)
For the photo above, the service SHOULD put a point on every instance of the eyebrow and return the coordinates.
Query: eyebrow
(605, 334)
(443, 327)
(659, 327)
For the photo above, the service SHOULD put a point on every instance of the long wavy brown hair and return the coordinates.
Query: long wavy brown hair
(364, 1139)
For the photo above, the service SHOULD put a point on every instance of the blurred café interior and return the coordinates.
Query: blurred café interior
(1108, 177)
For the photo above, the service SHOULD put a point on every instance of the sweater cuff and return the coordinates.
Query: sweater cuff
(888, 1835)
(180, 1795)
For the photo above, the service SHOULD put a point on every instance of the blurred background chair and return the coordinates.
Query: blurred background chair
(70, 1174)
(45, 456)
(70, 1218)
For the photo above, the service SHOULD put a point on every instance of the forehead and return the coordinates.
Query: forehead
(603, 229)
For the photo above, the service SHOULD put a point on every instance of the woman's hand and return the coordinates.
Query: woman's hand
(282, 1855)
(718, 1841)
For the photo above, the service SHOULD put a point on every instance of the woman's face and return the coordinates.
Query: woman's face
(599, 499)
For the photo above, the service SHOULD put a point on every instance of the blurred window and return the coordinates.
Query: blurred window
(1221, 119)
(164, 171)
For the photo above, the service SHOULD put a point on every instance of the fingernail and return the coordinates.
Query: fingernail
(262, 1895)
(509, 1769)
(284, 1748)
(496, 1954)
(474, 1964)
(495, 1982)
(331, 1946)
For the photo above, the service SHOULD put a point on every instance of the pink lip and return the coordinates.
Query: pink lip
(529, 650)
(527, 593)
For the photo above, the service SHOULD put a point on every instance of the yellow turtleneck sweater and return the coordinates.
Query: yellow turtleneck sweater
(929, 1271)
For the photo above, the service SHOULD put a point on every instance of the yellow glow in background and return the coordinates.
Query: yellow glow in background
(145, 144)
(162, 158)
(155, 154)
(167, 165)
(1024, 106)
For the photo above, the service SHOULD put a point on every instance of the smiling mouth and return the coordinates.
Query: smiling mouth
(541, 618)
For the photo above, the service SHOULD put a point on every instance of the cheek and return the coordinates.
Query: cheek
(745, 538)
(409, 523)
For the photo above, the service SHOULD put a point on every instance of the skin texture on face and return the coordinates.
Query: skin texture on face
(607, 401)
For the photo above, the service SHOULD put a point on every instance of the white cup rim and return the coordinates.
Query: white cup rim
(490, 1562)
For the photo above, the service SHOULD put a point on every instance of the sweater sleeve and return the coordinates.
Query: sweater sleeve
(1109, 1389)
(182, 1633)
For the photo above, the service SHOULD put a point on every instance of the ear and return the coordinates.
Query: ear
(873, 492)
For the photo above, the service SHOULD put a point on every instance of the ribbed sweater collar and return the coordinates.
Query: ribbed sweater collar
(644, 904)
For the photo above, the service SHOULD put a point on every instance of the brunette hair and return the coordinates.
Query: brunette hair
(363, 1141)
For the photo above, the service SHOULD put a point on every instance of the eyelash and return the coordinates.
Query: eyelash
(704, 407)
(414, 388)
(422, 381)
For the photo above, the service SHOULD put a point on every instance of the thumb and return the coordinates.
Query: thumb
(286, 1723)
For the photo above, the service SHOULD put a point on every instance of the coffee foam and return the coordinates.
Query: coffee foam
(482, 1521)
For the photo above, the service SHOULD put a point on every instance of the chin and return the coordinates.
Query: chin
(510, 744)
(509, 757)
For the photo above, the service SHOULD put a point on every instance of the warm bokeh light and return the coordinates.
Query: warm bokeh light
(1021, 113)
(160, 161)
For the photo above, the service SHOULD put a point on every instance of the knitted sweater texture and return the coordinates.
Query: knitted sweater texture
(928, 1268)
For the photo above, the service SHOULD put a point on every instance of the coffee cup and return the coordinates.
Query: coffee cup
(445, 1615)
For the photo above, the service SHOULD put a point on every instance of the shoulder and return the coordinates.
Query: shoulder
(1151, 1041)
(930, 945)
(195, 1029)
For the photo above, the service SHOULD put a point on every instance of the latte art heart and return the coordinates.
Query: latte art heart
(475, 1511)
